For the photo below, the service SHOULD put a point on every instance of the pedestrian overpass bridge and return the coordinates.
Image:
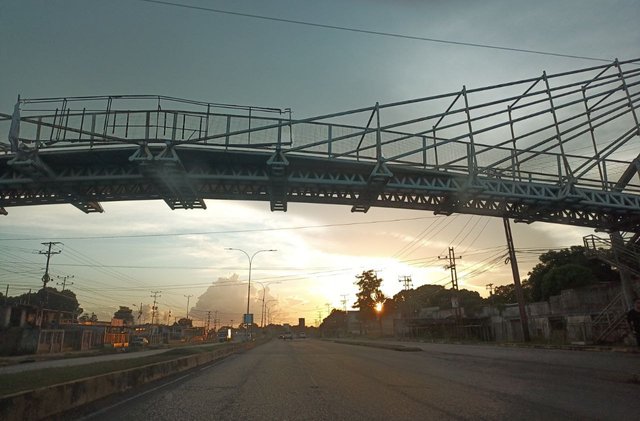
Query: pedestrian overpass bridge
(560, 148)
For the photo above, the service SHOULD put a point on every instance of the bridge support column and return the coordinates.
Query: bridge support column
(278, 165)
(617, 244)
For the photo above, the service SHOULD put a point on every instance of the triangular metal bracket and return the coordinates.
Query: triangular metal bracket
(168, 156)
(377, 180)
(380, 174)
(142, 154)
(277, 164)
(30, 164)
(569, 193)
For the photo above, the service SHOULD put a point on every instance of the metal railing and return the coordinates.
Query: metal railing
(572, 128)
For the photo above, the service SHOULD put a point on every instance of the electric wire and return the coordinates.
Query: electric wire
(244, 231)
(372, 32)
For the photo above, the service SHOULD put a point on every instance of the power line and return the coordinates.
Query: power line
(178, 234)
(410, 247)
(371, 32)
(476, 237)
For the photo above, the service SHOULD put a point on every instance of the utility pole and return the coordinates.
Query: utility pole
(454, 282)
(406, 282)
(206, 332)
(188, 298)
(490, 288)
(154, 308)
(46, 278)
(328, 308)
(215, 320)
(6, 295)
(64, 281)
(452, 267)
(516, 281)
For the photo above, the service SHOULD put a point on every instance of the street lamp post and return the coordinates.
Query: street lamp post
(268, 308)
(249, 285)
(264, 286)
(188, 297)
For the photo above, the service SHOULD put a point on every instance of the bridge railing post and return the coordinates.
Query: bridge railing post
(378, 135)
(472, 162)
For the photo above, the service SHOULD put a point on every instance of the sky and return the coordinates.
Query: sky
(74, 48)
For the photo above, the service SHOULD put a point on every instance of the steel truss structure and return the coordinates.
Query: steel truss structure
(557, 148)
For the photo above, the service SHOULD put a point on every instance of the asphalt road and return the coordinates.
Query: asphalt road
(320, 380)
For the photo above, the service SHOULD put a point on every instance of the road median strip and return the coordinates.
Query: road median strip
(54, 399)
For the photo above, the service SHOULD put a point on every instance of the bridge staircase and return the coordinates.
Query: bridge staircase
(610, 325)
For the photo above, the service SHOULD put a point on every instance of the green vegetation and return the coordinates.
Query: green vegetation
(409, 302)
(125, 314)
(558, 269)
(56, 300)
(565, 269)
(369, 294)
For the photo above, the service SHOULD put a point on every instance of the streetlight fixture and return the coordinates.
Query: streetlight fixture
(249, 286)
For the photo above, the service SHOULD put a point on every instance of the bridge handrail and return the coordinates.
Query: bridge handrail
(474, 138)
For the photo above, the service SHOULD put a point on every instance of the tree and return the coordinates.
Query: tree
(566, 277)
(369, 294)
(125, 314)
(184, 322)
(409, 302)
(55, 300)
(334, 322)
(567, 258)
(506, 294)
(88, 318)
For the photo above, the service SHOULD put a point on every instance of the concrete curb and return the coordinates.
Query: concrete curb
(400, 348)
(591, 348)
(49, 401)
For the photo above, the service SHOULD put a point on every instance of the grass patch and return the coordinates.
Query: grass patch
(34, 379)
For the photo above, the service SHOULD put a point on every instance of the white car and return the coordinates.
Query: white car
(139, 341)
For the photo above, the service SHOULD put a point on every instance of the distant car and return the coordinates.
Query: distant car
(302, 335)
(287, 335)
(139, 341)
